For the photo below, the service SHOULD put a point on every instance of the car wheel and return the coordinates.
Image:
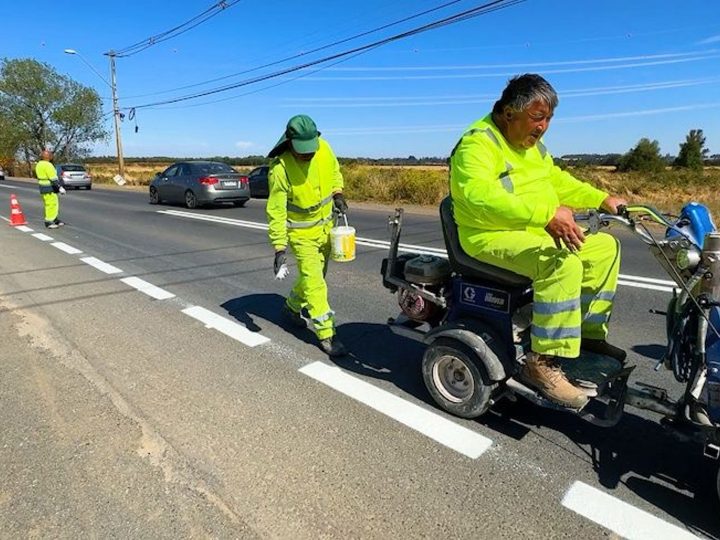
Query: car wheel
(190, 200)
(88, 188)
(154, 196)
(240, 203)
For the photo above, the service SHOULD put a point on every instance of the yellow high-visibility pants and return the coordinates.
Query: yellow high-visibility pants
(51, 202)
(573, 292)
(311, 248)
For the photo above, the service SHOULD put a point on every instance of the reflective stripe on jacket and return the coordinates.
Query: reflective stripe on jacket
(301, 192)
(495, 187)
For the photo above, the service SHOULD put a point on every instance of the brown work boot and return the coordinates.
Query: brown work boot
(600, 346)
(544, 373)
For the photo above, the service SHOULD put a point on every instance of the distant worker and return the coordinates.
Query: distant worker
(305, 189)
(49, 188)
(513, 208)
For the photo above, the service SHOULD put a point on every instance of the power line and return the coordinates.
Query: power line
(177, 30)
(305, 53)
(452, 19)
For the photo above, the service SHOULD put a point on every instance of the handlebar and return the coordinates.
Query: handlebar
(597, 220)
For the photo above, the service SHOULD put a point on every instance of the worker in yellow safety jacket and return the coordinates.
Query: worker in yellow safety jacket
(513, 208)
(305, 189)
(49, 186)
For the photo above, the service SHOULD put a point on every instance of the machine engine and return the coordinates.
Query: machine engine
(430, 276)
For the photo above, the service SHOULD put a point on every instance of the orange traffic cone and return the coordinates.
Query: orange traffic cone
(16, 214)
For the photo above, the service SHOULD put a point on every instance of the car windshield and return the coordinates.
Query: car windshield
(213, 168)
(72, 168)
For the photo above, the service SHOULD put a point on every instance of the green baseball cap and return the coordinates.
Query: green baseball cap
(302, 133)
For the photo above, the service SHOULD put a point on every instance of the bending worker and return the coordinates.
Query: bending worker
(305, 188)
(49, 188)
(513, 207)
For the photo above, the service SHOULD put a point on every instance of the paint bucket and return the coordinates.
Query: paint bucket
(342, 242)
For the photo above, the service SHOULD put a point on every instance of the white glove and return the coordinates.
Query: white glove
(62, 191)
(282, 272)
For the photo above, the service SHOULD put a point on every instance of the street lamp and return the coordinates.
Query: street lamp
(116, 110)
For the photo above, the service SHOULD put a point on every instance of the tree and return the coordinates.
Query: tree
(692, 151)
(645, 157)
(48, 110)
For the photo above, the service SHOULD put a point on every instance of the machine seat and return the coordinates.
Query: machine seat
(470, 267)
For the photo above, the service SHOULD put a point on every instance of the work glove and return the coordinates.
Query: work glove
(339, 204)
(280, 267)
(62, 191)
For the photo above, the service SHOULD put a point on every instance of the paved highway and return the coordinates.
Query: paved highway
(150, 389)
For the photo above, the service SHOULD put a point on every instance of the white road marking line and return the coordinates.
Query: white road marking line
(43, 237)
(24, 228)
(627, 280)
(648, 280)
(101, 265)
(147, 288)
(430, 424)
(62, 246)
(226, 326)
(620, 517)
(650, 286)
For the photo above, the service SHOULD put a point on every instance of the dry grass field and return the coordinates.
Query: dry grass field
(427, 185)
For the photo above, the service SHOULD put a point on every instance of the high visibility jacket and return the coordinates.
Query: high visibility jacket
(46, 175)
(301, 193)
(495, 187)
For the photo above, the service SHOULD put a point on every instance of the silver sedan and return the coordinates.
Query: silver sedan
(196, 183)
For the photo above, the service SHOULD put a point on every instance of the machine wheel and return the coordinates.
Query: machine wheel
(717, 483)
(239, 203)
(190, 199)
(154, 196)
(456, 379)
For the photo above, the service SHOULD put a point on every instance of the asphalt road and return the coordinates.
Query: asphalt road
(150, 389)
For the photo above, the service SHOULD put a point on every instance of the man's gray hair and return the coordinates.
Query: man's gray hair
(522, 90)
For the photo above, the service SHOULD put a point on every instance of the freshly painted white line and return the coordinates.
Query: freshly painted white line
(620, 517)
(62, 246)
(627, 280)
(226, 326)
(147, 288)
(647, 279)
(24, 228)
(650, 286)
(100, 265)
(43, 237)
(430, 424)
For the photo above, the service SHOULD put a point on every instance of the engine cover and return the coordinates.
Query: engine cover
(427, 270)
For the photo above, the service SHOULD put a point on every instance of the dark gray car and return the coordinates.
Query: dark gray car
(259, 182)
(195, 183)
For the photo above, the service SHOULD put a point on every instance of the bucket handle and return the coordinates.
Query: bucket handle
(337, 218)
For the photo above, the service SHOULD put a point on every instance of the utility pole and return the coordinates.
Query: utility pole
(116, 108)
(116, 115)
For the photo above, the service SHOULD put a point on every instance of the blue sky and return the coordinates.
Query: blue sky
(623, 70)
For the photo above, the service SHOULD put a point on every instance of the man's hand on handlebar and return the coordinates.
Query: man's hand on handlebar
(611, 204)
(562, 228)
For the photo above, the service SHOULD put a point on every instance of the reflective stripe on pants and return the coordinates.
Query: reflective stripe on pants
(573, 292)
(312, 252)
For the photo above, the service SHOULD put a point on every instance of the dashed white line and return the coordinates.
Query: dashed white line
(24, 228)
(147, 288)
(62, 246)
(430, 424)
(649, 286)
(101, 265)
(226, 326)
(620, 517)
(43, 237)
